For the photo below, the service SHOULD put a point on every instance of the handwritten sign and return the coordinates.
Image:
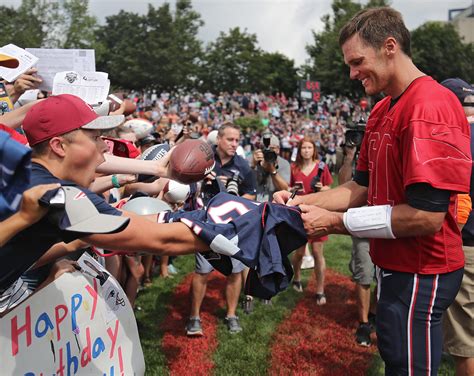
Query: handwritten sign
(67, 329)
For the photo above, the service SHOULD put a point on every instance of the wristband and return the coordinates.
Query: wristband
(274, 173)
(370, 222)
(115, 181)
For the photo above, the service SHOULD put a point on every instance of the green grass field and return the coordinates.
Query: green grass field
(249, 352)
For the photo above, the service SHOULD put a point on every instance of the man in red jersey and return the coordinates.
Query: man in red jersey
(414, 159)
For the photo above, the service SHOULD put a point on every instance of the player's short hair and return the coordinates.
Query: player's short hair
(227, 125)
(41, 148)
(375, 25)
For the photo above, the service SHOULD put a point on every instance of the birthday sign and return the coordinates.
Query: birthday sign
(81, 324)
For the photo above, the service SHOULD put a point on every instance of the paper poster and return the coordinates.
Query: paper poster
(67, 329)
(26, 61)
(54, 60)
(91, 87)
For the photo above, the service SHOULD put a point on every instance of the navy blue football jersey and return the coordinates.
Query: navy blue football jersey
(259, 235)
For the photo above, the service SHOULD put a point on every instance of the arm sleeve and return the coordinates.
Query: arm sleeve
(362, 178)
(425, 197)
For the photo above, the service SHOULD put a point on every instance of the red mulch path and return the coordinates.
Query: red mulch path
(316, 340)
(192, 356)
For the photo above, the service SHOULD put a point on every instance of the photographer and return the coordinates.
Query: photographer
(235, 174)
(272, 171)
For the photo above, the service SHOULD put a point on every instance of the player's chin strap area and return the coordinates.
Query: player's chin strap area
(370, 222)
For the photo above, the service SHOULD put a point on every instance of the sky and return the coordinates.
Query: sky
(280, 25)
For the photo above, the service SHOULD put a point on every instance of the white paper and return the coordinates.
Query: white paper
(91, 87)
(54, 60)
(25, 58)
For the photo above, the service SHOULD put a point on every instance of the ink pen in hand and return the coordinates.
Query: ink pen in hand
(293, 194)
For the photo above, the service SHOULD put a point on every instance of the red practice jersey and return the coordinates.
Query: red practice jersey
(297, 176)
(423, 138)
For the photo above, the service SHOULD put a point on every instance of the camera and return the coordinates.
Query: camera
(232, 185)
(269, 155)
(355, 134)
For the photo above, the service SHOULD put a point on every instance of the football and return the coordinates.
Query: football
(175, 193)
(191, 161)
(141, 127)
(130, 107)
(153, 153)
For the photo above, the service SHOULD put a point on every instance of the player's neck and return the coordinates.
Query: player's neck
(405, 73)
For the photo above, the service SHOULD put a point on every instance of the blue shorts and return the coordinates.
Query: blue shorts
(204, 267)
(409, 313)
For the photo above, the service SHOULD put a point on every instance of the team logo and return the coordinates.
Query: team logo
(71, 77)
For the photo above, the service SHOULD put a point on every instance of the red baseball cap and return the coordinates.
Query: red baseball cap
(61, 114)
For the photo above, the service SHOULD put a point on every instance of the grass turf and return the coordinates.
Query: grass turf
(248, 352)
(153, 302)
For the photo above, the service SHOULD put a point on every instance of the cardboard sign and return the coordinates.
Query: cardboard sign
(81, 324)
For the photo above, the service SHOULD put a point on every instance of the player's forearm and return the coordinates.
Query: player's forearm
(13, 119)
(59, 250)
(279, 183)
(345, 172)
(142, 236)
(408, 221)
(119, 165)
(339, 199)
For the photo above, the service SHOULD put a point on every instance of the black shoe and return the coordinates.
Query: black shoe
(297, 286)
(363, 334)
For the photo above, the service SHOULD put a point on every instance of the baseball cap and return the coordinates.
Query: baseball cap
(8, 61)
(61, 114)
(460, 88)
(75, 212)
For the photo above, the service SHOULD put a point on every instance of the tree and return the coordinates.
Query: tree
(24, 26)
(228, 60)
(273, 72)
(79, 26)
(327, 63)
(187, 47)
(157, 50)
(438, 51)
(122, 50)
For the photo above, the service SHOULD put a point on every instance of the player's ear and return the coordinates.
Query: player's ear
(390, 46)
(57, 146)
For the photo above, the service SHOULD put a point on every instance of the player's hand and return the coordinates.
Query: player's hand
(223, 179)
(63, 266)
(281, 197)
(318, 186)
(257, 157)
(349, 152)
(162, 166)
(318, 221)
(126, 178)
(30, 210)
(27, 81)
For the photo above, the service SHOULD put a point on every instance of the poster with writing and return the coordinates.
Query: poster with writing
(54, 60)
(67, 329)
